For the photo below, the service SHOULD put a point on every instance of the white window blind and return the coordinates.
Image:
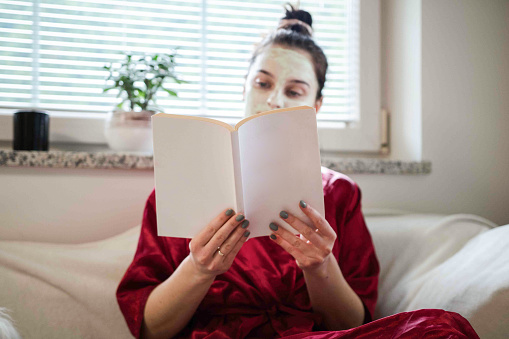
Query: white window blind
(52, 51)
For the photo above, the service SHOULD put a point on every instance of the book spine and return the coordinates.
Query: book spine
(237, 169)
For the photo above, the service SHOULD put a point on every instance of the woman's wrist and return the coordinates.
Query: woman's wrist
(197, 275)
(322, 270)
(331, 295)
(171, 304)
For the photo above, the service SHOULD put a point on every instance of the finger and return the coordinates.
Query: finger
(227, 246)
(208, 232)
(318, 220)
(296, 242)
(307, 232)
(224, 232)
(231, 256)
(294, 252)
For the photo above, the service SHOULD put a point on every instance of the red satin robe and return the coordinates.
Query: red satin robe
(263, 294)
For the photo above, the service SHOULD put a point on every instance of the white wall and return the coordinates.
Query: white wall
(446, 78)
(465, 107)
(70, 205)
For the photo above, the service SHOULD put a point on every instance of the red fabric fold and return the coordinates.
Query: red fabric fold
(428, 323)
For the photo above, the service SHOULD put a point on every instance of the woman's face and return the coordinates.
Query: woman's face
(280, 78)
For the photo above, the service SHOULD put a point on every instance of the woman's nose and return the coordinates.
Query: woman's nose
(275, 100)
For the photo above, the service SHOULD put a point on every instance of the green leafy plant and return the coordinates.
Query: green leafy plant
(138, 78)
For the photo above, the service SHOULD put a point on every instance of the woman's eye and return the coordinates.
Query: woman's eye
(294, 94)
(262, 84)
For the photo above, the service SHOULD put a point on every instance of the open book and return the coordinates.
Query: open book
(265, 164)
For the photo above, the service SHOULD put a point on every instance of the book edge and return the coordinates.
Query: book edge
(243, 121)
(209, 120)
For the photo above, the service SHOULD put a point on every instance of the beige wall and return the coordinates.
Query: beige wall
(70, 205)
(465, 107)
(446, 84)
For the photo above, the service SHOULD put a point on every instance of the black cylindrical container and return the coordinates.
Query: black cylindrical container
(31, 131)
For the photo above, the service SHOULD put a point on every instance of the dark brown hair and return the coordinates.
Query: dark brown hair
(296, 36)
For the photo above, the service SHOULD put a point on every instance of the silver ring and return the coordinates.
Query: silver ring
(219, 251)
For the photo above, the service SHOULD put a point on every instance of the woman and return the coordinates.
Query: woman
(218, 285)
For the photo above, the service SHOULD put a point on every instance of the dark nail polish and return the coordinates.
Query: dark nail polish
(273, 237)
(239, 217)
(229, 212)
(244, 224)
(283, 214)
(273, 226)
(247, 233)
(303, 204)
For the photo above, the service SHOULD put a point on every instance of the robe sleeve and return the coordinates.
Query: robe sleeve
(355, 252)
(155, 260)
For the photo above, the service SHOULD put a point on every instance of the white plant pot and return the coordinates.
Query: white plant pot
(128, 131)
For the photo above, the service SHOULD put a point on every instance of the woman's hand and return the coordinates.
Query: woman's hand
(313, 248)
(171, 305)
(330, 294)
(215, 247)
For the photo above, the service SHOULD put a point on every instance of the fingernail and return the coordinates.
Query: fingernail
(244, 223)
(273, 226)
(247, 233)
(273, 237)
(239, 217)
(283, 214)
(229, 212)
(303, 204)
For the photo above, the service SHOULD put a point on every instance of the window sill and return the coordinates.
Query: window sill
(138, 161)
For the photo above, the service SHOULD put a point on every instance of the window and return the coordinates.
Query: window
(52, 53)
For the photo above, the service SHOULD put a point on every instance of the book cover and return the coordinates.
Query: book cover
(264, 164)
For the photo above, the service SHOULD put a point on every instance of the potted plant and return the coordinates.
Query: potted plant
(138, 78)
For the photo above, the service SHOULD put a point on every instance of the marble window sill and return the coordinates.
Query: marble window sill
(133, 161)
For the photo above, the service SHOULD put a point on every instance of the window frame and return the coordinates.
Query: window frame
(363, 136)
(366, 135)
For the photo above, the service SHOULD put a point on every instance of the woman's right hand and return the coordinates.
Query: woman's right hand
(215, 247)
(172, 303)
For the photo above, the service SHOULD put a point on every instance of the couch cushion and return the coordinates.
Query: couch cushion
(473, 282)
(456, 263)
(66, 291)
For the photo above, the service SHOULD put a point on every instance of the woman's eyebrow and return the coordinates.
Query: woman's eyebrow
(265, 72)
(294, 80)
(300, 82)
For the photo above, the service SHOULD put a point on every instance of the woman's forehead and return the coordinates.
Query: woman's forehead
(286, 63)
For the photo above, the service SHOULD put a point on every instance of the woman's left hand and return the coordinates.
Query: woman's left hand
(314, 245)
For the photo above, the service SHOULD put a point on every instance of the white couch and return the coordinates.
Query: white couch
(458, 263)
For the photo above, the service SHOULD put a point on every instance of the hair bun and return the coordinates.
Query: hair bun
(296, 20)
